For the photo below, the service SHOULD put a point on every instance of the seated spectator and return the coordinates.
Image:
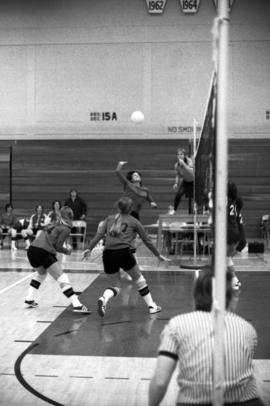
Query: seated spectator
(79, 208)
(36, 224)
(8, 223)
(54, 214)
(188, 341)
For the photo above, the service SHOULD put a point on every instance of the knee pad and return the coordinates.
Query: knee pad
(115, 290)
(65, 285)
(37, 279)
(141, 282)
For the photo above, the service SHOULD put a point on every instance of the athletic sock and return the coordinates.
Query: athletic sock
(67, 290)
(109, 293)
(144, 291)
(34, 285)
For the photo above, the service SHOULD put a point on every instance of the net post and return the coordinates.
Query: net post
(220, 205)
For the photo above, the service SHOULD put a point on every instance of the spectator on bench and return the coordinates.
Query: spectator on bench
(79, 208)
(55, 213)
(8, 223)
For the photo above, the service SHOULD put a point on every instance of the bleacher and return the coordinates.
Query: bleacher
(45, 170)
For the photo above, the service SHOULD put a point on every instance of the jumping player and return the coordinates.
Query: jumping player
(134, 189)
(42, 257)
(120, 231)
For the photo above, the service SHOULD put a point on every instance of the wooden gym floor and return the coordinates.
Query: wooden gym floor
(51, 356)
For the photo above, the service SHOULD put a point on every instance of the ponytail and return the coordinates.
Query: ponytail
(115, 229)
(125, 206)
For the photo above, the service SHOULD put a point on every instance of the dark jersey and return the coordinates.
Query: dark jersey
(233, 231)
(138, 194)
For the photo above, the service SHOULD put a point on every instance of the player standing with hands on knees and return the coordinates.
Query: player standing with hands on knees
(42, 257)
(134, 189)
(120, 230)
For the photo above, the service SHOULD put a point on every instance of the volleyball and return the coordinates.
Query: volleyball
(137, 117)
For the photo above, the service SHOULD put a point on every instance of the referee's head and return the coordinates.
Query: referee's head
(203, 289)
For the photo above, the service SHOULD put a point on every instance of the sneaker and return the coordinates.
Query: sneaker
(31, 303)
(81, 309)
(154, 309)
(236, 284)
(101, 307)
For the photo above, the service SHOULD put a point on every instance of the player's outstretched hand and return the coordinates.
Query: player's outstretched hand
(68, 249)
(86, 254)
(122, 163)
(163, 258)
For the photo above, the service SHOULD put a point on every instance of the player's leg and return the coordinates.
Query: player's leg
(178, 197)
(231, 250)
(34, 256)
(111, 291)
(55, 270)
(111, 262)
(38, 277)
(53, 267)
(143, 289)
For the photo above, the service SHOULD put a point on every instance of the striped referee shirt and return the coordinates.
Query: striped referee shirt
(189, 338)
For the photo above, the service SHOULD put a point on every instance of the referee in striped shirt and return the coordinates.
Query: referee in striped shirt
(189, 340)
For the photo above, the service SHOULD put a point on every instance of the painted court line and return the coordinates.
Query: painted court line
(16, 283)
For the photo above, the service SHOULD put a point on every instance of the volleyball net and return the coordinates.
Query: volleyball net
(205, 154)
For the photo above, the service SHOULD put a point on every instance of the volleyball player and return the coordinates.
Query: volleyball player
(120, 230)
(42, 257)
(233, 229)
(134, 189)
(184, 177)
